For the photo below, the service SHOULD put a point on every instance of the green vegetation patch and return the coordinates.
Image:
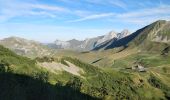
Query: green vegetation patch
(157, 83)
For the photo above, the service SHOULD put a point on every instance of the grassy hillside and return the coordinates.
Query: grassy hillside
(154, 38)
(99, 58)
(15, 62)
(111, 84)
(28, 48)
(22, 79)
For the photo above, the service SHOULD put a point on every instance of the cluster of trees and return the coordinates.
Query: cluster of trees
(4, 68)
(42, 76)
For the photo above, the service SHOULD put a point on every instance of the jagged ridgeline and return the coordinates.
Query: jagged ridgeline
(22, 79)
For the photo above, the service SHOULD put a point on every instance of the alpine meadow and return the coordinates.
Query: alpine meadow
(84, 50)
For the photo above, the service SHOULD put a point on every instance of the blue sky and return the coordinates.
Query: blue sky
(47, 20)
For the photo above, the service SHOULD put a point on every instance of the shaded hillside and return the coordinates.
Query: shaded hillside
(21, 87)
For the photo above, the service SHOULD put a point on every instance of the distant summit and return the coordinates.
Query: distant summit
(90, 43)
(113, 35)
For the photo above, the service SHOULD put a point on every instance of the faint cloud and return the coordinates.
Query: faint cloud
(47, 7)
(119, 3)
(96, 16)
(19, 8)
(142, 17)
(41, 13)
(161, 10)
(82, 13)
(147, 12)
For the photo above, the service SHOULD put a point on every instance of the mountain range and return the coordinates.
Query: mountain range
(155, 34)
(89, 43)
(115, 66)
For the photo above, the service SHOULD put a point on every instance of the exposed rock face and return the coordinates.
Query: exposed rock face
(113, 35)
(59, 67)
(90, 43)
(162, 34)
(123, 34)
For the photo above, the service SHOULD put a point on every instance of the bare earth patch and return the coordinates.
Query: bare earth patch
(55, 67)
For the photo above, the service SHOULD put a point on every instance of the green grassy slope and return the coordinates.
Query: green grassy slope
(154, 38)
(111, 84)
(16, 63)
(26, 81)
(21, 79)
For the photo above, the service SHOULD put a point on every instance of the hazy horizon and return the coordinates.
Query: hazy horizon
(18, 36)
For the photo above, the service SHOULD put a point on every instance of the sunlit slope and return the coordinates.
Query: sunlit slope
(94, 82)
(26, 47)
(155, 37)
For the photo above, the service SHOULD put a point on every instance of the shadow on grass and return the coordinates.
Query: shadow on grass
(21, 87)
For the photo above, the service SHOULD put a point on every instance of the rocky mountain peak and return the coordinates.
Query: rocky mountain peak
(124, 33)
(111, 35)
